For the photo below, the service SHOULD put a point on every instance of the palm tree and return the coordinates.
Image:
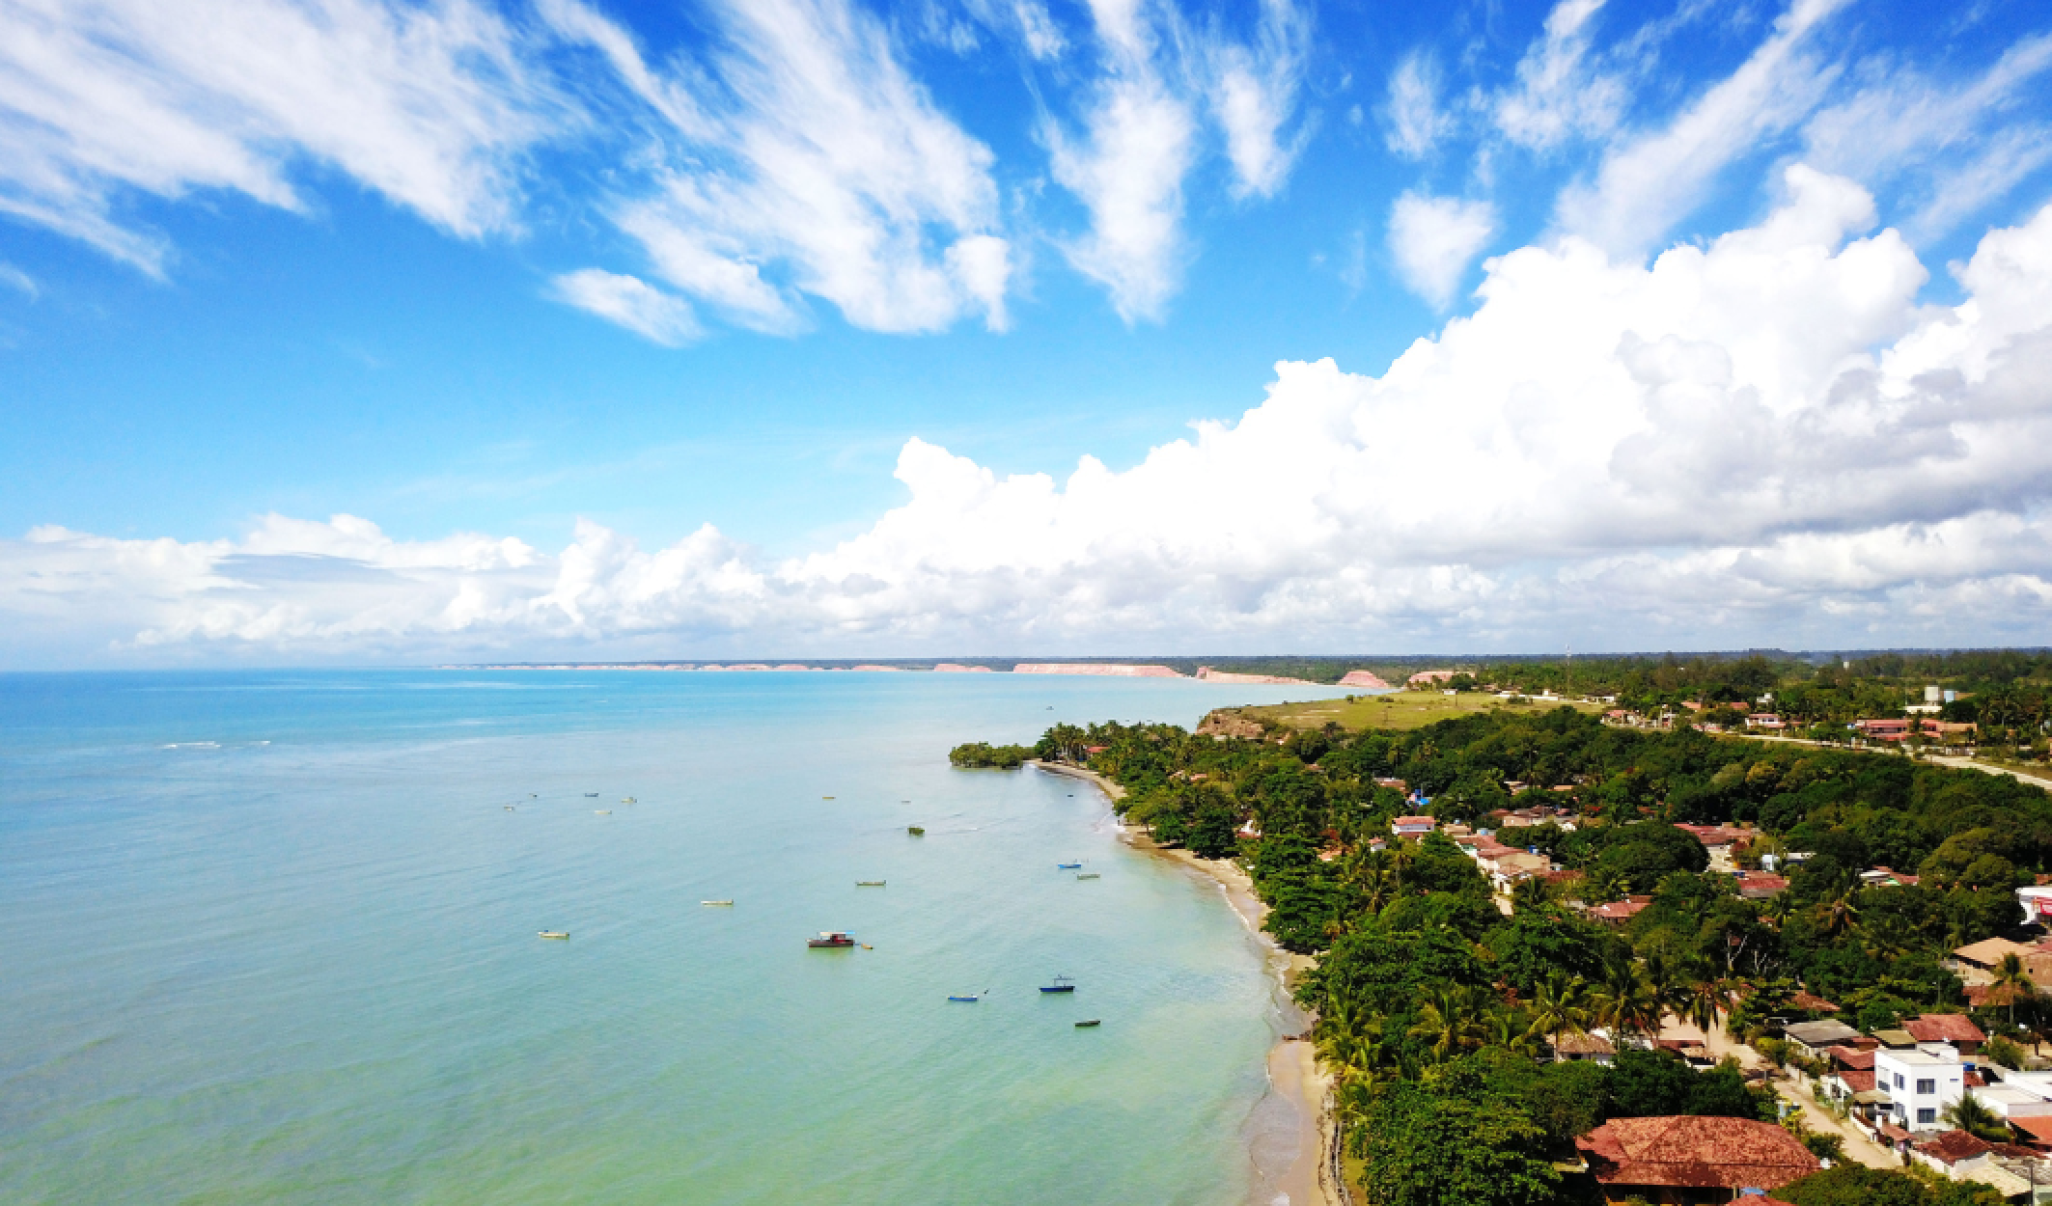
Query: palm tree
(1605, 884)
(1452, 1019)
(1559, 1005)
(1530, 894)
(1779, 909)
(1626, 1001)
(1503, 1030)
(1839, 915)
(1350, 1039)
(2012, 974)
(1973, 1116)
(1699, 1005)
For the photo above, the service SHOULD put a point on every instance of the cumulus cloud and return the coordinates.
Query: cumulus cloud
(430, 105)
(631, 302)
(1434, 239)
(1767, 437)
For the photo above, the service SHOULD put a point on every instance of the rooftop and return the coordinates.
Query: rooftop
(1944, 1028)
(1730, 1153)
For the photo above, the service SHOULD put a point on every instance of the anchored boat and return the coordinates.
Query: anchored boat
(1089, 875)
(869, 883)
(552, 933)
(1061, 984)
(915, 831)
(1067, 866)
(832, 938)
(725, 903)
(1088, 1022)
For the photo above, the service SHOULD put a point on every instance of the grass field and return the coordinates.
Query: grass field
(1402, 710)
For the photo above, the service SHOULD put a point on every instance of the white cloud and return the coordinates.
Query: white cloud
(1899, 123)
(1254, 95)
(1139, 140)
(14, 278)
(801, 157)
(1416, 120)
(631, 302)
(1649, 183)
(1767, 438)
(430, 105)
(1560, 94)
(1434, 239)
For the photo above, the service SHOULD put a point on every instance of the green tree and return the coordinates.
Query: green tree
(2013, 976)
(1437, 1145)
(1975, 1117)
(1858, 1185)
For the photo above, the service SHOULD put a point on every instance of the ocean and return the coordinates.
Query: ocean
(272, 937)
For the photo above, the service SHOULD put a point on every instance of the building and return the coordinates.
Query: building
(1922, 1082)
(1720, 841)
(1955, 1030)
(1883, 877)
(2037, 904)
(1413, 826)
(1617, 912)
(1686, 1161)
(1815, 1039)
(1760, 885)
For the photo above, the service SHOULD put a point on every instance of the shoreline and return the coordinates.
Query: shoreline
(1294, 1077)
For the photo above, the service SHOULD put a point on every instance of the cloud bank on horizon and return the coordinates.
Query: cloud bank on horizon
(1727, 440)
(1785, 432)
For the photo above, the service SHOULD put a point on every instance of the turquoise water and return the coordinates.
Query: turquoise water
(271, 938)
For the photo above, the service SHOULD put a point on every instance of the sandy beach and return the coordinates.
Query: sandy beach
(1297, 1172)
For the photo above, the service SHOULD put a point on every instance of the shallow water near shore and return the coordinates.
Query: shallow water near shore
(272, 937)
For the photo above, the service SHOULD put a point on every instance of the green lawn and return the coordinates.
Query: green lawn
(1403, 710)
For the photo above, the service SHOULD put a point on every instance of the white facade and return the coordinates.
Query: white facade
(2037, 905)
(1921, 1083)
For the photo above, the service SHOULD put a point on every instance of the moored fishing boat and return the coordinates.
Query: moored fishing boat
(915, 831)
(1061, 984)
(869, 883)
(552, 933)
(1067, 866)
(1088, 1022)
(832, 939)
(727, 903)
(1089, 875)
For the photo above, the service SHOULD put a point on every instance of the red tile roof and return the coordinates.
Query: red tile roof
(1944, 1028)
(1953, 1146)
(1812, 1003)
(1849, 1057)
(1618, 910)
(1731, 1153)
(1857, 1081)
(2039, 1128)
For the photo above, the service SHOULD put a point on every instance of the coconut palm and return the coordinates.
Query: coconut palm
(1350, 1039)
(1452, 1019)
(1975, 1117)
(1507, 1030)
(2012, 974)
(1839, 914)
(1626, 1001)
(1559, 1005)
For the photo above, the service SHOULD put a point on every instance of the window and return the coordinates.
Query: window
(1927, 1086)
(1898, 1080)
(1926, 1117)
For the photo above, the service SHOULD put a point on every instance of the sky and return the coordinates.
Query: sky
(395, 331)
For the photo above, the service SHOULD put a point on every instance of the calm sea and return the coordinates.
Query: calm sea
(271, 937)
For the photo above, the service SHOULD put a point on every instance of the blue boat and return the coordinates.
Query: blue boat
(1067, 866)
(971, 998)
(1061, 984)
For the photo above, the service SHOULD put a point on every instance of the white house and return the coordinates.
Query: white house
(2037, 904)
(1921, 1083)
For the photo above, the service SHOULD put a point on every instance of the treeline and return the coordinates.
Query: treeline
(975, 755)
(1431, 1003)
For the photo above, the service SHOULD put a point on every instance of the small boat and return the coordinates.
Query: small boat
(832, 939)
(1067, 866)
(629, 800)
(869, 883)
(717, 903)
(552, 933)
(509, 808)
(602, 812)
(826, 797)
(1061, 984)
(915, 831)
(970, 999)
(1088, 875)
(1086, 1022)
(591, 795)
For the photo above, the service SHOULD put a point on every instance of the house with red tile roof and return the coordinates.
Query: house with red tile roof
(1957, 1030)
(1412, 826)
(1691, 1160)
(1617, 912)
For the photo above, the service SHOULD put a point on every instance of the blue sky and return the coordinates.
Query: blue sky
(540, 271)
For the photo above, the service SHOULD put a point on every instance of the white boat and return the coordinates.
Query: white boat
(628, 800)
(602, 812)
(552, 933)
(727, 903)
(1088, 875)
